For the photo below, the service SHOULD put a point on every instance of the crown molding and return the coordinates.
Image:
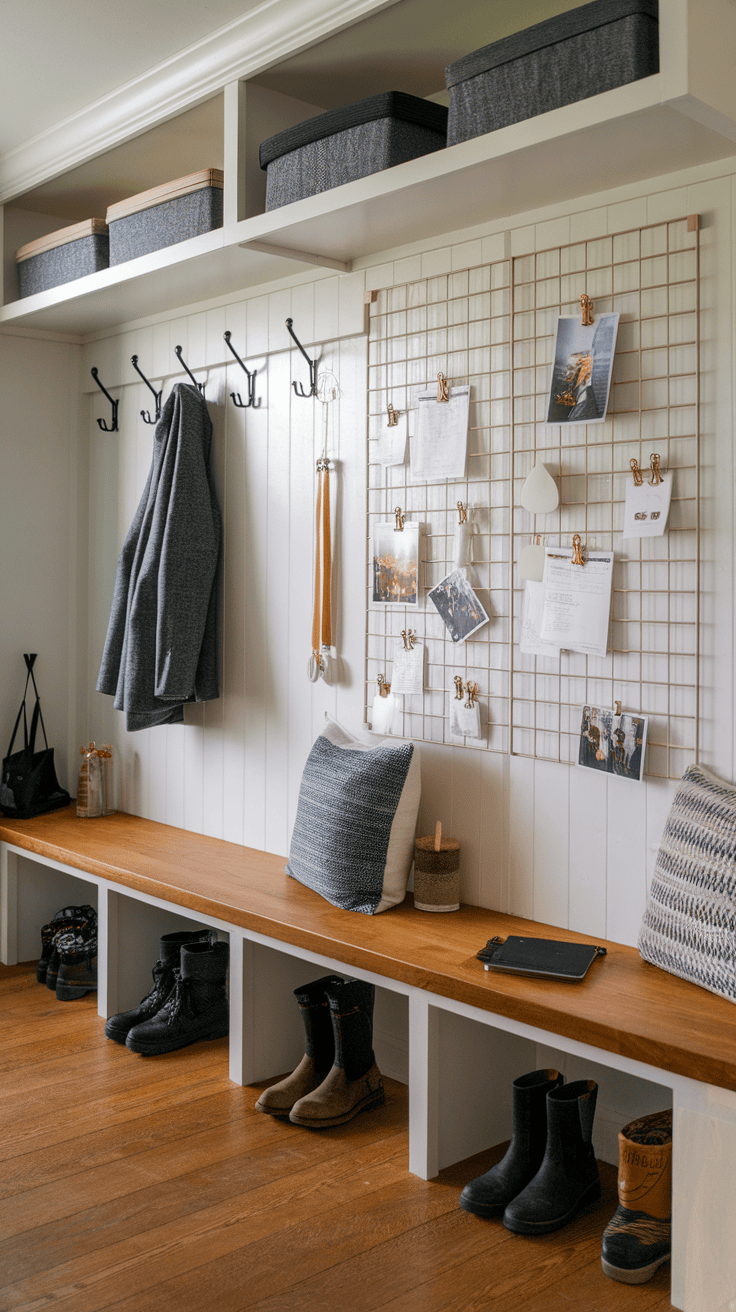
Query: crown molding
(263, 37)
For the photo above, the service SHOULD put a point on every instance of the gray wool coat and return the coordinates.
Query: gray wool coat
(161, 649)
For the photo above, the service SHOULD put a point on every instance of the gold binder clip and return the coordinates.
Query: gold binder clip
(459, 694)
(462, 511)
(443, 391)
(656, 471)
(577, 555)
(400, 517)
(393, 416)
(410, 638)
(638, 480)
(472, 690)
(383, 687)
(618, 709)
(586, 305)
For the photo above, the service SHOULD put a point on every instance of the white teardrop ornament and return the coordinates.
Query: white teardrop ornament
(539, 494)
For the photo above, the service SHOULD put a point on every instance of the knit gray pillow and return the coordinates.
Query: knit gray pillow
(689, 926)
(353, 838)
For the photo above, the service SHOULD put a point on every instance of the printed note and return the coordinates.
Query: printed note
(577, 600)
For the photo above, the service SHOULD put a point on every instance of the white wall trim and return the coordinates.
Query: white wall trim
(261, 38)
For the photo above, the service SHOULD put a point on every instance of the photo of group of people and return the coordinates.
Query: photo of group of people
(613, 744)
(395, 564)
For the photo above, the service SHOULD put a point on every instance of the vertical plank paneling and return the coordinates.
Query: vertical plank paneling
(349, 590)
(305, 431)
(467, 774)
(494, 831)
(521, 836)
(626, 881)
(551, 842)
(255, 564)
(277, 598)
(588, 852)
(214, 713)
(233, 638)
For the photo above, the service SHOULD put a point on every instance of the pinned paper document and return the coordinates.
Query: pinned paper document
(577, 599)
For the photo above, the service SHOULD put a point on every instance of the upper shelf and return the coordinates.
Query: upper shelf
(622, 136)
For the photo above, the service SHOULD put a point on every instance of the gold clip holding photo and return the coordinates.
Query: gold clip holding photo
(638, 480)
(400, 517)
(462, 511)
(393, 416)
(410, 638)
(383, 687)
(577, 554)
(586, 305)
(472, 691)
(655, 470)
(443, 391)
(459, 694)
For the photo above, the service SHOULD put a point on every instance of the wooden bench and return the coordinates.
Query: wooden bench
(626, 1014)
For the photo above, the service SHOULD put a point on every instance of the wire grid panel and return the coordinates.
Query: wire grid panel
(494, 327)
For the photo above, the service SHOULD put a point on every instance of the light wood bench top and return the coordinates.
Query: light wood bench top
(624, 1005)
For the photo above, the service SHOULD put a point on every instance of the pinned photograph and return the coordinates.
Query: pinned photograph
(461, 611)
(581, 374)
(395, 564)
(613, 744)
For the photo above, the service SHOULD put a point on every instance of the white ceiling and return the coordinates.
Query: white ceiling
(59, 57)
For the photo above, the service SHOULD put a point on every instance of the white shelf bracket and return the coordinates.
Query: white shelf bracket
(306, 257)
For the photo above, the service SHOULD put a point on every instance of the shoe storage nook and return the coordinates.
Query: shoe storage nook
(359, 288)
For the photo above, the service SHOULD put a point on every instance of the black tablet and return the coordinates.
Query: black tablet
(547, 958)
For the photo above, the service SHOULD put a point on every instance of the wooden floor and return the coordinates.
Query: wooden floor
(151, 1185)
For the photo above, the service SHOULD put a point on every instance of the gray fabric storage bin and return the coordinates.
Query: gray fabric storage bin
(571, 57)
(348, 143)
(62, 256)
(165, 215)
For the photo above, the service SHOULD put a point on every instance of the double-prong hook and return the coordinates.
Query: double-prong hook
(243, 405)
(298, 389)
(199, 386)
(113, 427)
(145, 415)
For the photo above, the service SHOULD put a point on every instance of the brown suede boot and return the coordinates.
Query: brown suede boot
(279, 1099)
(637, 1239)
(354, 1084)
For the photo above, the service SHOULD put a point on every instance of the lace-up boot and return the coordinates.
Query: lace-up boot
(489, 1194)
(637, 1239)
(197, 1008)
(354, 1083)
(568, 1178)
(169, 959)
(75, 920)
(64, 919)
(316, 1063)
(77, 975)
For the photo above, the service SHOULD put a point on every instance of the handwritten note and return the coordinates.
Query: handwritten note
(439, 447)
(577, 600)
(407, 675)
(530, 628)
(646, 508)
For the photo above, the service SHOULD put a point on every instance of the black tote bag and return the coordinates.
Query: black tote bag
(28, 783)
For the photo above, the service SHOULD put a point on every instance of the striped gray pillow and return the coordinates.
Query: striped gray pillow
(353, 837)
(689, 927)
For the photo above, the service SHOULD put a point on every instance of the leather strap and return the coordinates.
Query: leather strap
(322, 617)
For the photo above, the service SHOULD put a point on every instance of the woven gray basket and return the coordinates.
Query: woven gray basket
(63, 264)
(689, 927)
(165, 224)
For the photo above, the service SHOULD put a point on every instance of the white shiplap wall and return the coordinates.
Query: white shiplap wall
(539, 839)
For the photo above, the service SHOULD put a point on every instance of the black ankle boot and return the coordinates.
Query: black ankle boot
(169, 953)
(196, 1009)
(82, 921)
(489, 1194)
(77, 974)
(354, 1083)
(317, 1061)
(568, 1177)
(67, 918)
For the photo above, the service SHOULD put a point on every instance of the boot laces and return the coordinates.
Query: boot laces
(180, 1002)
(157, 991)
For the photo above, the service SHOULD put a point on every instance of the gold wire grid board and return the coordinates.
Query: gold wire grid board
(494, 327)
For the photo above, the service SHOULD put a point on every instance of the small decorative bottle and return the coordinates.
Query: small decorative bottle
(104, 751)
(89, 784)
(437, 873)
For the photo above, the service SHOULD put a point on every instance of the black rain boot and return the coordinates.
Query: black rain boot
(488, 1195)
(64, 919)
(77, 974)
(316, 1063)
(568, 1177)
(354, 1084)
(169, 959)
(196, 1009)
(83, 921)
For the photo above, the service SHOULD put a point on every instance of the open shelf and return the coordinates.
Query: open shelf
(619, 137)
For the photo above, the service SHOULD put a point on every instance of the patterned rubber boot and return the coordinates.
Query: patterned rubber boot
(317, 1061)
(354, 1083)
(164, 978)
(637, 1239)
(82, 921)
(489, 1194)
(195, 1010)
(568, 1178)
(77, 963)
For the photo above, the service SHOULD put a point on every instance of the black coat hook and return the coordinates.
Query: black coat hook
(200, 386)
(113, 428)
(243, 405)
(145, 416)
(312, 366)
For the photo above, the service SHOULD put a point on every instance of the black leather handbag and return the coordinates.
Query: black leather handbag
(28, 783)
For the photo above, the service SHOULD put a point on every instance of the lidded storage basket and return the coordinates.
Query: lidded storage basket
(165, 215)
(62, 256)
(351, 142)
(571, 57)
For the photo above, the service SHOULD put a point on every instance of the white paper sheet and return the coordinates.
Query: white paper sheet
(439, 447)
(530, 627)
(391, 445)
(577, 600)
(646, 508)
(407, 675)
(464, 719)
